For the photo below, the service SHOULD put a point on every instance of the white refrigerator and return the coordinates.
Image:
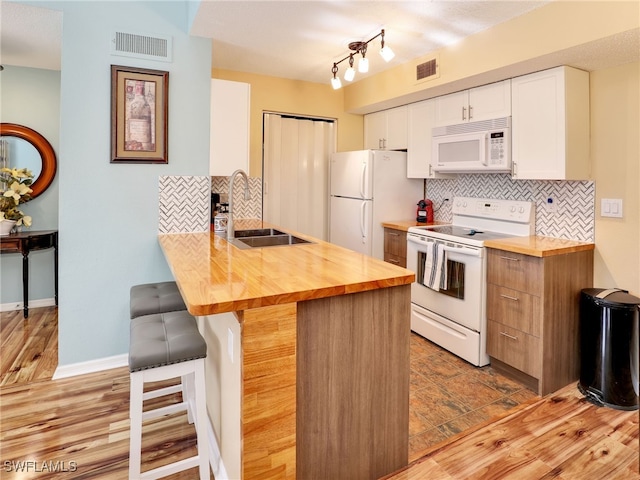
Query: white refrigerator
(368, 187)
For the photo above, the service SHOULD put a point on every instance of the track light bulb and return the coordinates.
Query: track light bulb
(387, 54)
(349, 74)
(336, 83)
(363, 65)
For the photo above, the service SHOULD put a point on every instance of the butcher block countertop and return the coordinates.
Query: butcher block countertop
(215, 276)
(405, 224)
(538, 246)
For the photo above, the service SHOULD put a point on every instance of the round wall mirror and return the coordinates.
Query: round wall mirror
(28, 149)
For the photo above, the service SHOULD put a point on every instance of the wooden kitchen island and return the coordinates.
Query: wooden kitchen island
(308, 356)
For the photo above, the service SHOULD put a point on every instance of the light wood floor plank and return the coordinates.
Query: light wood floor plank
(84, 419)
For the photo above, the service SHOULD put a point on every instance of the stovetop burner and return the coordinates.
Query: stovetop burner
(463, 234)
(476, 220)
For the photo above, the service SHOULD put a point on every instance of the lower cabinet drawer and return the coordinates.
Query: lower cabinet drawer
(513, 308)
(395, 259)
(514, 347)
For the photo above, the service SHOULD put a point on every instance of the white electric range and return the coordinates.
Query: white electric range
(448, 298)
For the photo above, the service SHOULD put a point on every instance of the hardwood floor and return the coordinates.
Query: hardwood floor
(81, 424)
(29, 345)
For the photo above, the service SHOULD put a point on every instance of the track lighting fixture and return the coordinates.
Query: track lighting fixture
(363, 63)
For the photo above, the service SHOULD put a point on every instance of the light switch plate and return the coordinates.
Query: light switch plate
(611, 207)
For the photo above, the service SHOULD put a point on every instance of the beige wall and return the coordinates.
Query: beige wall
(271, 94)
(538, 40)
(615, 154)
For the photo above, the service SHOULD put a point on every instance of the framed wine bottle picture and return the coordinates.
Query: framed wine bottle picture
(139, 115)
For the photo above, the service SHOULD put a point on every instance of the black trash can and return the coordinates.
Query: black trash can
(609, 347)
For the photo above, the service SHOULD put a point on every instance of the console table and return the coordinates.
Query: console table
(24, 243)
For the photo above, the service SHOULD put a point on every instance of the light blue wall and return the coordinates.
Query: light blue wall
(108, 216)
(31, 97)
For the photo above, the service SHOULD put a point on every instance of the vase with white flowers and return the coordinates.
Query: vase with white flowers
(14, 190)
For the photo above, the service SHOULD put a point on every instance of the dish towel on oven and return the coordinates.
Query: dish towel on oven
(435, 266)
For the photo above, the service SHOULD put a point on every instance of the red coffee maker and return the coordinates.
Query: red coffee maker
(424, 214)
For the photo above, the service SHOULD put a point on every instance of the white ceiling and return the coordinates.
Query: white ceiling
(30, 36)
(296, 39)
(301, 39)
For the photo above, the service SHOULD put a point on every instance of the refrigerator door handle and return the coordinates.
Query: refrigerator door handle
(362, 225)
(363, 179)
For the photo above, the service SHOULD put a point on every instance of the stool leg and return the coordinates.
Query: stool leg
(135, 428)
(201, 419)
(188, 395)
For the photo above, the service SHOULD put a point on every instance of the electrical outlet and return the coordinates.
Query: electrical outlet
(446, 196)
(551, 204)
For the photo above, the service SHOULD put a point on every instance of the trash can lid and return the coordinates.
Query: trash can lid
(612, 296)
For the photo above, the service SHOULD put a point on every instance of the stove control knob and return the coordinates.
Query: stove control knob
(521, 209)
(513, 209)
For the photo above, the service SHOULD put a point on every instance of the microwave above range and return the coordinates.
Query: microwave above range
(474, 147)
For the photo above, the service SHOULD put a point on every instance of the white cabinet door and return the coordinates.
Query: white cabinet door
(452, 109)
(480, 103)
(490, 101)
(421, 121)
(550, 125)
(386, 130)
(229, 137)
(375, 129)
(396, 137)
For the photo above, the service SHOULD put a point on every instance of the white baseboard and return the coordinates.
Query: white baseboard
(43, 302)
(92, 366)
(215, 457)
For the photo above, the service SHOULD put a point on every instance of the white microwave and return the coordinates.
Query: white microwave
(474, 147)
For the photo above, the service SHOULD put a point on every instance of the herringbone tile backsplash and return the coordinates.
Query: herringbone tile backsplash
(243, 208)
(184, 204)
(185, 201)
(573, 218)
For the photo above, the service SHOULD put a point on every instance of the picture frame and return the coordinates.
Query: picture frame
(139, 115)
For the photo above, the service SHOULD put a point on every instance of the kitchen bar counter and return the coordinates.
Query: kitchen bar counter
(308, 356)
(215, 276)
(538, 246)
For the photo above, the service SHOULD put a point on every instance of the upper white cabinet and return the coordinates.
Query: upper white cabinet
(229, 137)
(550, 125)
(386, 130)
(480, 103)
(421, 117)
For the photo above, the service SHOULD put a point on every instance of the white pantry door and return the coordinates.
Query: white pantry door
(295, 172)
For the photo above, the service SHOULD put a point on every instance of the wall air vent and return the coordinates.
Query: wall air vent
(156, 47)
(427, 70)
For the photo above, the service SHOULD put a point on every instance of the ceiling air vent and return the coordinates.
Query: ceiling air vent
(156, 47)
(427, 70)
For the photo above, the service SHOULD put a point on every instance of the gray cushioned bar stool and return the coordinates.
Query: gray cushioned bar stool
(164, 346)
(158, 297)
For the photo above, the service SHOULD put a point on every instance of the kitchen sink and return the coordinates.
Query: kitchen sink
(265, 237)
(257, 232)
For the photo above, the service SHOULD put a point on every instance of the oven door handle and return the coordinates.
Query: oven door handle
(464, 251)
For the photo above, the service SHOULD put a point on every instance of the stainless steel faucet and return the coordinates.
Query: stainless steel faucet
(247, 195)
